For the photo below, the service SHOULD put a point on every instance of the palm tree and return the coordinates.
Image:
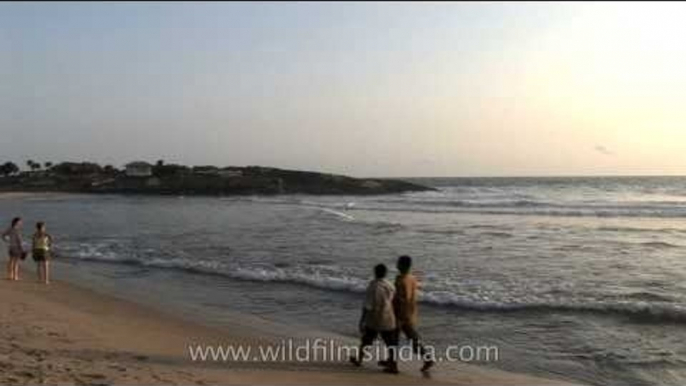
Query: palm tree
(47, 165)
(8, 168)
(33, 165)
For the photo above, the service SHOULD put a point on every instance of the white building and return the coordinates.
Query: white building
(229, 173)
(138, 169)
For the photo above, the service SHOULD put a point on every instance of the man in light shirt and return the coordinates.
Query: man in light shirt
(378, 318)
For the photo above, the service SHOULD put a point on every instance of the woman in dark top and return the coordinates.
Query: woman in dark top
(12, 236)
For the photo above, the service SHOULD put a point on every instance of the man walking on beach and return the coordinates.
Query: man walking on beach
(378, 319)
(405, 307)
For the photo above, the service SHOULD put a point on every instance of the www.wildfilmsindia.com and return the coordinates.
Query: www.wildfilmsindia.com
(326, 350)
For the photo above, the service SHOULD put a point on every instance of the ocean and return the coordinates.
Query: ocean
(579, 279)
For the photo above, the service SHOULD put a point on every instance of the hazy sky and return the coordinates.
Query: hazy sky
(356, 88)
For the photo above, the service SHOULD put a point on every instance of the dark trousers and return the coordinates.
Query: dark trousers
(390, 339)
(411, 333)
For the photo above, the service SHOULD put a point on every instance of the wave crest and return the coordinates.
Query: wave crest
(643, 310)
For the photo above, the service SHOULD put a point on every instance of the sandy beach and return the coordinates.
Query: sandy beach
(63, 334)
(18, 195)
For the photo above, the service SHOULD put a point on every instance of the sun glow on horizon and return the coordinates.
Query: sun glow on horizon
(611, 76)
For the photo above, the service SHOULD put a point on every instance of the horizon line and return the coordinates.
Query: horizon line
(22, 165)
(543, 176)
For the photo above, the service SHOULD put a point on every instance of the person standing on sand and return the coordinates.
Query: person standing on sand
(378, 319)
(12, 236)
(405, 307)
(42, 242)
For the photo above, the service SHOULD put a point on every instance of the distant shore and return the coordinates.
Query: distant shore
(63, 334)
(143, 178)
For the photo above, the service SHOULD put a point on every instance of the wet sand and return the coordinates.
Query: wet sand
(67, 335)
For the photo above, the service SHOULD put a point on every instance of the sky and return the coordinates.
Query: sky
(364, 89)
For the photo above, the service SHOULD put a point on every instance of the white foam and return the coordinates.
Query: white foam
(342, 215)
(439, 296)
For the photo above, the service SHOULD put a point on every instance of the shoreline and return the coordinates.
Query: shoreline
(66, 334)
(22, 194)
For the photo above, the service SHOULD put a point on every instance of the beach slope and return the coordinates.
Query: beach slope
(63, 334)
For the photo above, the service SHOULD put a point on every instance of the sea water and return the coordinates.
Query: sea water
(572, 278)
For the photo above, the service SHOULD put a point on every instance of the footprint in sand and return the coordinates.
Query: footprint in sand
(94, 376)
(25, 374)
(118, 368)
(89, 382)
(39, 355)
(160, 379)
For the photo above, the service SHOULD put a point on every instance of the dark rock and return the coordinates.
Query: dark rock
(207, 180)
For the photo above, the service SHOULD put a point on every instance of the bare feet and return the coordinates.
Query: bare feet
(427, 366)
(392, 369)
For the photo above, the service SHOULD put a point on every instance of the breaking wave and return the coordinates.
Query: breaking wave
(644, 309)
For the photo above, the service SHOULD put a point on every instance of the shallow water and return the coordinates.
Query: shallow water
(575, 278)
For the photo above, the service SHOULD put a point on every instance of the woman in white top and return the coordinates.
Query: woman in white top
(12, 236)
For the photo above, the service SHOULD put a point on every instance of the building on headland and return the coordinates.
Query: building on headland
(215, 171)
(139, 169)
(206, 170)
(230, 173)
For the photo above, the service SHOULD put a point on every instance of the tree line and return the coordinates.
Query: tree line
(10, 168)
(160, 168)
